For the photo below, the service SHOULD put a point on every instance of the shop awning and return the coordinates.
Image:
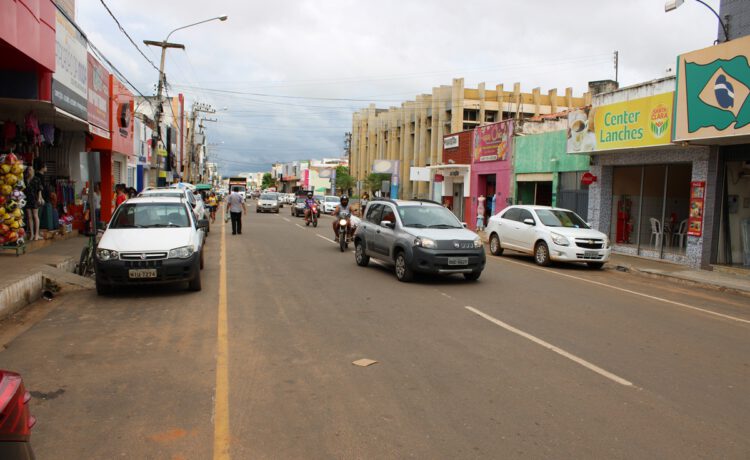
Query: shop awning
(45, 111)
(534, 177)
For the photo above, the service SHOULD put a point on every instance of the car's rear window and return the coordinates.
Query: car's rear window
(150, 215)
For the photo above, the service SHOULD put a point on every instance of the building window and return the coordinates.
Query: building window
(490, 116)
(471, 115)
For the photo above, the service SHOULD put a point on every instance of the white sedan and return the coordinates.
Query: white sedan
(549, 234)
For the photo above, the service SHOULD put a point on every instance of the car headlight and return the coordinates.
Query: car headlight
(181, 253)
(559, 240)
(607, 242)
(106, 254)
(425, 243)
(478, 243)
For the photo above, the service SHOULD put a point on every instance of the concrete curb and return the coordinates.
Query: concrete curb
(685, 279)
(29, 286)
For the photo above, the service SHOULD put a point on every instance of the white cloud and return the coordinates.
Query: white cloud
(388, 50)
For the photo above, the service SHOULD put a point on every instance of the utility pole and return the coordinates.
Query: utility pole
(156, 136)
(617, 65)
(197, 107)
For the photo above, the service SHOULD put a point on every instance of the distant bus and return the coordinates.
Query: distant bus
(240, 183)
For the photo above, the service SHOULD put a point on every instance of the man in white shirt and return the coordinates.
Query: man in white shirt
(235, 208)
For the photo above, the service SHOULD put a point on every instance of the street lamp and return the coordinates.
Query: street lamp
(164, 45)
(672, 5)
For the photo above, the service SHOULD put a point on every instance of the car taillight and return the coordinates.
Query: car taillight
(15, 420)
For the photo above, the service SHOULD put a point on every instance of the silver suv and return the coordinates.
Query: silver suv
(418, 236)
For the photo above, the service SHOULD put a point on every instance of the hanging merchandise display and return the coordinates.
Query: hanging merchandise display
(12, 201)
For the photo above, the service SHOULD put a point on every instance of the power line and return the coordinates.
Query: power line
(122, 29)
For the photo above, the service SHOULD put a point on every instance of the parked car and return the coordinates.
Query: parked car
(418, 236)
(150, 240)
(195, 200)
(16, 421)
(329, 203)
(549, 234)
(268, 202)
(298, 208)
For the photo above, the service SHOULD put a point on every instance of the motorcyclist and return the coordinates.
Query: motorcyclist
(343, 207)
(309, 203)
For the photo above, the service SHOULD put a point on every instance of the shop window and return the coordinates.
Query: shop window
(650, 206)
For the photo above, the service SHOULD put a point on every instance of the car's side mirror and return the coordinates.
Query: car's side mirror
(202, 223)
(387, 224)
(529, 221)
(465, 224)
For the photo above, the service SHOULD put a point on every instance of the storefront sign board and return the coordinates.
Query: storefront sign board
(69, 82)
(713, 88)
(450, 142)
(493, 142)
(98, 96)
(642, 122)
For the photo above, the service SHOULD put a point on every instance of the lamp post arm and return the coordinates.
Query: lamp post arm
(194, 24)
(721, 23)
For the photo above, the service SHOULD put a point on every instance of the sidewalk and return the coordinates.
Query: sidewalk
(25, 275)
(642, 266)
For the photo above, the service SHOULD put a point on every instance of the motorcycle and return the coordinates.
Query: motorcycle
(344, 233)
(313, 216)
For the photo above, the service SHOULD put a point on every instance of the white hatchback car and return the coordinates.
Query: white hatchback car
(150, 240)
(329, 203)
(549, 234)
(194, 199)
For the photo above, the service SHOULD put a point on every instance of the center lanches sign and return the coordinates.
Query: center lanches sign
(643, 122)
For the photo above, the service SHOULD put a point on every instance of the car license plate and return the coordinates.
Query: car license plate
(142, 273)
(458, 261)
(590, 254)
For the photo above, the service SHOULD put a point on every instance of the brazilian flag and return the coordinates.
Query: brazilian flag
(717, 94)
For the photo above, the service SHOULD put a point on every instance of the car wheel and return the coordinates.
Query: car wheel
(541, 254)
(403, 272)
(473, 276)
(360, 257)
(595, 265)
(257, 211)
(201, 259)
(195, 283)
(495, 247)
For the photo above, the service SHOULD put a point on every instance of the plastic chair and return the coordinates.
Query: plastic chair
(681, 233)
(657, 233)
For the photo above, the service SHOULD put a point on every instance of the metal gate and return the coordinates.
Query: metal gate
(572, 195)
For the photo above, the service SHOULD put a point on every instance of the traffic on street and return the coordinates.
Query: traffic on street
(374, 230)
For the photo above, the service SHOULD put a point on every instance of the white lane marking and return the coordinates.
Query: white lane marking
(446, 295)
(327, 239)
(551, 347)
(286, 219)
(298, 225)
(648, 296)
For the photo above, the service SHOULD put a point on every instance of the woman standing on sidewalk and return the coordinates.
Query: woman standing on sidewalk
(34, 200)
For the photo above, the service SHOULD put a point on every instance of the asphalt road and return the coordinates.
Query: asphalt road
(527, 362)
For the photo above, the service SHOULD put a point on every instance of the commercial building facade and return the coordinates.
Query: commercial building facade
(413, 133)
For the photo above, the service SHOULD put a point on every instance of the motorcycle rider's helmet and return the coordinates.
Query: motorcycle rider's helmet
(344, 200)
(309, 194)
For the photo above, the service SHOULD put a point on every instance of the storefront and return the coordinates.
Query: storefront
(115, 151)
(712, 109)
(491, 169)
(643, 188)
(546, 175)
(454, 176)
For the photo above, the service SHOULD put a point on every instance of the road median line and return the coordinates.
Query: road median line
(221, 398)
(549, 346)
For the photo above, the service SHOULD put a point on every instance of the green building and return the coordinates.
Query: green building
(545, 174)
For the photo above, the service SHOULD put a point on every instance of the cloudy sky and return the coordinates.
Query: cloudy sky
(290, 73)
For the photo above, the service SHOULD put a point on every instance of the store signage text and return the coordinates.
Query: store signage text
(493, 142)
(636, 123)
(450, 142)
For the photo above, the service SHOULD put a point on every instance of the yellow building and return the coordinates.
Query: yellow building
(413, 133)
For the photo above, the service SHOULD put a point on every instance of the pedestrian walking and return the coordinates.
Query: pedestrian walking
(235, 208)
